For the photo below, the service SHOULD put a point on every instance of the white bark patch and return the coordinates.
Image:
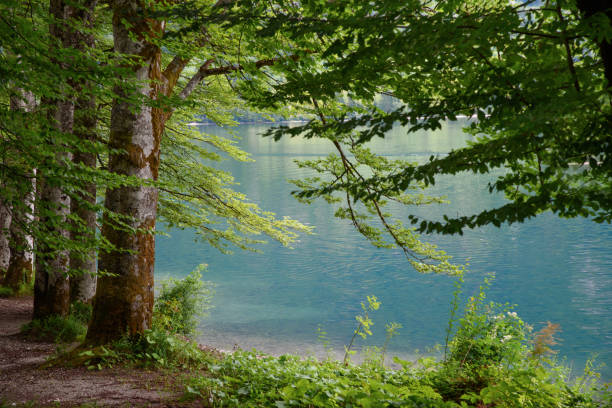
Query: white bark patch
(5, 224)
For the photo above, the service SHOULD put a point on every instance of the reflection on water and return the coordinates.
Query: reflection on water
(554, 270)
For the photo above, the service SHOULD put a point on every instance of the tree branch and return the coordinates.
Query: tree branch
(172, 73)
(205, 71)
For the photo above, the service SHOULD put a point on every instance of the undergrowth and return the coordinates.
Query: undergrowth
(170, 342)
(492, 359)
(5, 292)
(24, 289)
(61, 329)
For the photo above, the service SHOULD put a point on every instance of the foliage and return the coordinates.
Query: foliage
(155, 348)
(180, 303)
(24, 289)
(192, 192)
(534, 76)
(490, 363)
(56, 328)
(61, 329)
(247, 379)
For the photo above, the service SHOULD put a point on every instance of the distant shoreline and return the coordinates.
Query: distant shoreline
(248, 123)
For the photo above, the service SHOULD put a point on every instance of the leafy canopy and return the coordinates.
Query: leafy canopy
(533, 76)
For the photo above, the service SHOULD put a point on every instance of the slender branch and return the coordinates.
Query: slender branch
(205, 71)
(350, 169)
(239, 67)
(568, 50)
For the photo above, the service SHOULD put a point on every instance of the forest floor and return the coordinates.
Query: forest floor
(24, 383)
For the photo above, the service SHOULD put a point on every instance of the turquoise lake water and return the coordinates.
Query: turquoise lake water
(553, 269)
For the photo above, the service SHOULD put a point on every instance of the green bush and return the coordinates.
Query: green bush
(181, 302)
(24, 289)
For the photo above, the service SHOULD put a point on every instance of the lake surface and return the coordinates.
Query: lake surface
(553, 269)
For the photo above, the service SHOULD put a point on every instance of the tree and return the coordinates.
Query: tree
(534, 78)
(68, 72)
(20, 244)
(143, 106)
(83, 283)
(51, 284)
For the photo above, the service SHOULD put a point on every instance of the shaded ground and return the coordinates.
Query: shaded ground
(22, 382)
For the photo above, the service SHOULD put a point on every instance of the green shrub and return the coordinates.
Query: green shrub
(181, 302)
(56, 328)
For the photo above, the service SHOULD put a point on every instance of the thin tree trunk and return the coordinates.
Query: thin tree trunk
(21, 262)
(124, 302)
(5, 225)
(83, 284)
(52, 286)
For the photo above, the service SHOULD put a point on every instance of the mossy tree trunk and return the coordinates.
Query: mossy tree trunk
(124, 303)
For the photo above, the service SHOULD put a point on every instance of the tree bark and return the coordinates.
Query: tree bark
(83, 284)
(51, 284)
(588, 8)
(20, 266)
(124, 303)
(5, 225)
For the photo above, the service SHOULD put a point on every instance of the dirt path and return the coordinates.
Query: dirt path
(22, 382)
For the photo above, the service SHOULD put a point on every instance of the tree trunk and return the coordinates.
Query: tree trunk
(83, 284)
(51, 285)
(124, 302)
(5, 225)
(588, 8)
(20, 266)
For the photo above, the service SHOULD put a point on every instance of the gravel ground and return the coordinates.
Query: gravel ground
(24, 383)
